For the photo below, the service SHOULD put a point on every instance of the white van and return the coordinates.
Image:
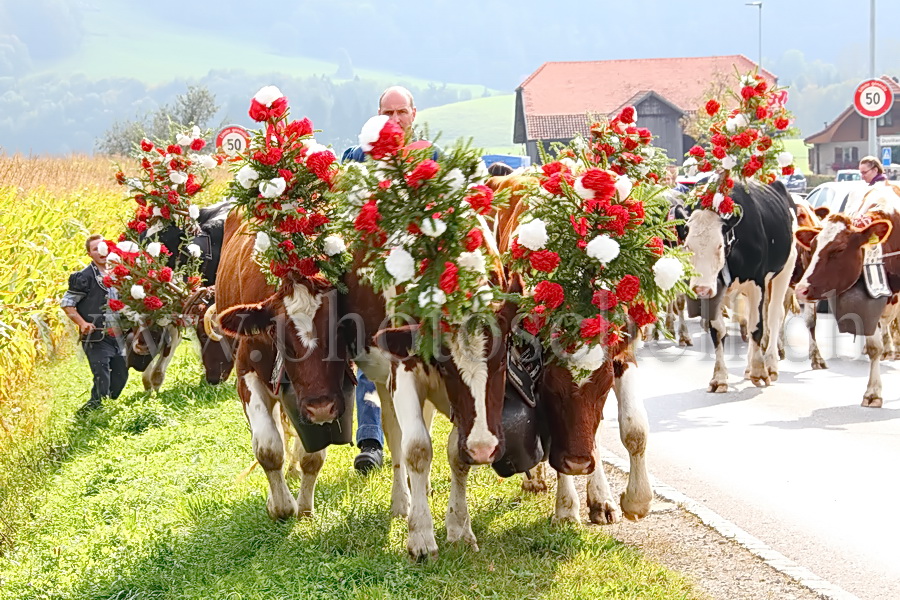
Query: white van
(848, 175)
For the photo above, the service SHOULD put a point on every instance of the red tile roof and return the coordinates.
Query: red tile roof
(568, 90)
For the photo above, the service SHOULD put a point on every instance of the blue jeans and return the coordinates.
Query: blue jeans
(368, 411)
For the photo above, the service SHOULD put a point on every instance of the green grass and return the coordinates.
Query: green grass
(142, 501)
(489, 121)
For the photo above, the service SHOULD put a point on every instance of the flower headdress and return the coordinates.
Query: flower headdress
(744, 143)
(170, 176)
(283, 184)
(590, 244)
(419, 223)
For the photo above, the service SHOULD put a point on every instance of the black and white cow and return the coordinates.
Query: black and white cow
(754, 253)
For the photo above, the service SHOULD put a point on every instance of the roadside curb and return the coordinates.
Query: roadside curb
(729, 530)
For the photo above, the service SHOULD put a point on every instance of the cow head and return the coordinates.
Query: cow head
(706, 238)
(837, 254)
(217, 352)
(297, 319)
(472, 364)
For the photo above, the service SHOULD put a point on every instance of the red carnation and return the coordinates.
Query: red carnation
(517, 250)
(627, 115)
(424, 171)
(761, 112)
(308, 267)
(782, 123)
(619, 218)
(270, 157)
(628, 288)
(533, 324)
(120, 271)
(712, 107)
(656, 245)
(258, 110)
(748, 91)
(164, 275)
(544, 260)
(719, 139)
(604, 299)
(761, 87)
(726, 206)
(630, 143)
(636, 208)
(581, 226)
(116, 304)
(645, 134)
(718, 152)
(550, 293)
(473, 239)
(697, 151)
(300, 128)
(449, 281)
(174, 149)
(705, 167)
(640, 315)
(120, 177)
(480, 198)
(389, 141)
(788, 170)
(554, 167)
(191, 186)
(592, 327)
(198, 144)
(368, 217)
(278, 108)
(554, 185)
(153, 303)
(320, 164)
(600, 182)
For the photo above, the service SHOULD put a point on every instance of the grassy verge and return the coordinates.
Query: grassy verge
(142, 500)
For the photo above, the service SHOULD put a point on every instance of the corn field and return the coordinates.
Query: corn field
(47, 208)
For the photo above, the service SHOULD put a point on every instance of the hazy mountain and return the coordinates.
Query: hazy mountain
(69, 68)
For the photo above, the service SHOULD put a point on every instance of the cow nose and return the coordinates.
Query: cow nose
(321, 411)
(482, 454)
(578, 465)
(703, 291)
(802, 291)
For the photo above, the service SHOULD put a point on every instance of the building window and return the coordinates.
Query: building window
(854, 155)
(886, 120)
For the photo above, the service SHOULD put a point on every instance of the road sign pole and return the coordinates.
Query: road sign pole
(873, 123)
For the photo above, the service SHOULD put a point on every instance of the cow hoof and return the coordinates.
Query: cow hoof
(400, 508)
(422, 547)
(773, 376)
(872, 401)
(305, 513)
(818, 364)
(566, 516)
(717, 388)
(685, 342)
(281, 513)
(634, 511)
(603, 513)
(535, 485)
(781, 354)
(461, 535)
(761, 381)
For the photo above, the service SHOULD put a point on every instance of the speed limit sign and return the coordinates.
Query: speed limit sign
(873, 98)
(233, 140)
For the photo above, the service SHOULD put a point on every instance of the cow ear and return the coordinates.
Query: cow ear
(805, 236)
(247, 319)
(822, 212)
(398, 341)
(877, 232)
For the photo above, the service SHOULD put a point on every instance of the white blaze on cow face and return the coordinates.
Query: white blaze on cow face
(830, 231)
(467, 351)
(301, 307)
(706, 244)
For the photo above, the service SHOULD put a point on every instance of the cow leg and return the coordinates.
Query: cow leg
(567, 505)
(268, 444)
(776, 292)
(756, 364)
(716, 327)
(310, 465)
(417, 453)
(874, 348)
(602, 508)
(633, 431)
(535, 481)
(684, 336)
(459, 523)
(155, 374)
(399, 485)
(809, 318)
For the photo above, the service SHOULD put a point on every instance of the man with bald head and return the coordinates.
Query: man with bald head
(396, 103)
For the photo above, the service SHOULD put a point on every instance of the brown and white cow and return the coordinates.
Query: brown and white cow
(838, 250)
(294, 320)
(574, 411)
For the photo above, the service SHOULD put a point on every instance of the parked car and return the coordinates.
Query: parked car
(838, 196)
(795, 183)
(848, 175)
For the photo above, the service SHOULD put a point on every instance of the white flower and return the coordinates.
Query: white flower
(667, 272)
(157, 212)
(481, 171)
(195, 132)
(137, 292)
(357, 166)
(533, 234)
(747, 80)
(312, 146)
(431, 296)
(183, 139)
(113, 257)
(163, 321)
(571, 164)
(690, 166)
(623, 186)
(267, 95)
(262, 242)
(128, 246)
(193, 211)
(455, 179)
(729, 162)
(588, 358)
(717, 200)
(579, 144)
(136, 184)
(102, 248)
(194, 250)
(736, 122)
(473, 261)
(583, 192)
(400, 264)
(433, 227)
(272, 188)
(334, 245)
(153, 249)
(177, 177)
(483, 297)
(205, 160)
(247, 176)
(603, 248)
(371, 130)
(784, 159)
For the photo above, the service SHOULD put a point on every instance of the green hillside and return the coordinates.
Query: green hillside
(488, 120)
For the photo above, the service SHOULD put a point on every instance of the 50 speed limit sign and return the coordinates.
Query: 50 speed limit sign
(233, 140)
(873, 98)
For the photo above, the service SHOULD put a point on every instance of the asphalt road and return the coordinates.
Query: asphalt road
(799, 465)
